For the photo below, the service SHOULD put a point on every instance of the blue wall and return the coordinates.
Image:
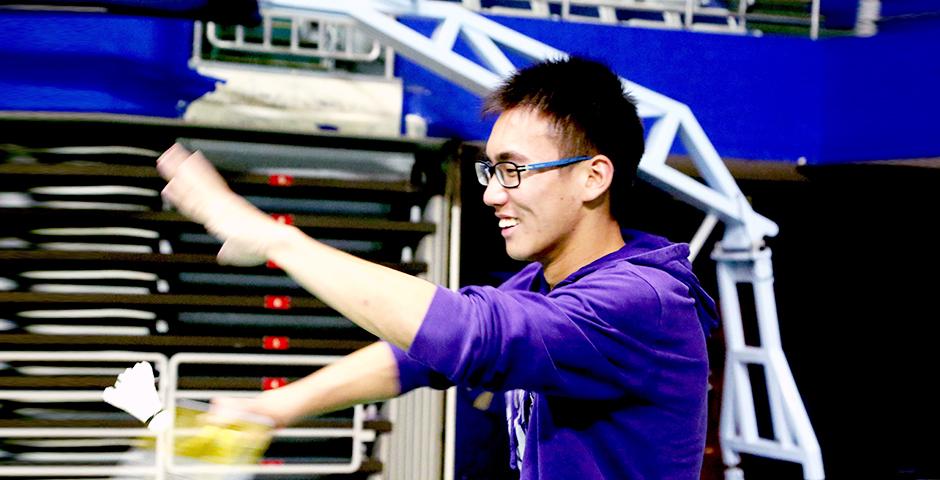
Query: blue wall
(882, 94)
(96, 63)
(769, 98)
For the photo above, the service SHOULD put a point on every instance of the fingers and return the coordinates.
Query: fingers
(194, 186)
(169, 165)
(178, 163)
(170, 161)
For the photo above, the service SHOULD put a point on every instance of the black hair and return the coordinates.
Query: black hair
(591, 114)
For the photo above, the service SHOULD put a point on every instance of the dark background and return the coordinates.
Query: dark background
(857, 298)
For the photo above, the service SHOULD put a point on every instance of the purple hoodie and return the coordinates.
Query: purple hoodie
(613, 360)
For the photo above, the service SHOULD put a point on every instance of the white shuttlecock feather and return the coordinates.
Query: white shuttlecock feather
(135, 393)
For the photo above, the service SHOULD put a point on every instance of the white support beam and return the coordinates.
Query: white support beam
(445, 35)
(499, 33)
(423, 50)
(701, 235)
(659, 141)
(488, 52)
(691, 191)
(705, 157)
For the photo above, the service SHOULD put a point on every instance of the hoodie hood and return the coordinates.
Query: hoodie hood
(647, 250)
(652, 251)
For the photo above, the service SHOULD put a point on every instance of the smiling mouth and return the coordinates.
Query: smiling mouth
(508, 222)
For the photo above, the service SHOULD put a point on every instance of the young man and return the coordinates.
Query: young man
(599, 343)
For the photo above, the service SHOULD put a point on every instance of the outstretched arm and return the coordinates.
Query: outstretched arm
(367, 375)
(387, 303)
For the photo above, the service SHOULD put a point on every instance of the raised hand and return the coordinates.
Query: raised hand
(197, 190)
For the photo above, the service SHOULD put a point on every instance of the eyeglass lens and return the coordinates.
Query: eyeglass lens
(506, 173)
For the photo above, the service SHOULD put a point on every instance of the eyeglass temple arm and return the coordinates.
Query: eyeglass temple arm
(553, 163)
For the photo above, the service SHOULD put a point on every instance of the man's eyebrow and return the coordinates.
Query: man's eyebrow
(510, 156)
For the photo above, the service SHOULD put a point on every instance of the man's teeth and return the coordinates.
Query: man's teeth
(508, 222)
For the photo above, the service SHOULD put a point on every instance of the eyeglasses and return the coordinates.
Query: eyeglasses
(508, 173)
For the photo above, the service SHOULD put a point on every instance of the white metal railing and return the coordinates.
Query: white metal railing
(676, 14)
(356, 433)
(160, 363)
(307, 35)
(869, 13)
(164, 461)
(814, 20)
(814, 15)
(295, 41)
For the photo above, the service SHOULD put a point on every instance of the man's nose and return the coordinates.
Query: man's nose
(495, 194)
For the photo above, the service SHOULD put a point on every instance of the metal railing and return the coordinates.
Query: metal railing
(697, 15)
(356, 433)
(160, 364)
(318, 36)
(164, 461)
(305, 41)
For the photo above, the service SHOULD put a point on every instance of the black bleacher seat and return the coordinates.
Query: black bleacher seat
(91, 261)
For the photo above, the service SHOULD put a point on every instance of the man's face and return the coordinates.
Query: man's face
(537, 217)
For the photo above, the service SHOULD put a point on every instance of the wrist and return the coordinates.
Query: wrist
(281, 240)
(281, 406)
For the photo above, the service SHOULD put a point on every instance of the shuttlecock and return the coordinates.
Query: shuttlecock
(135, 393)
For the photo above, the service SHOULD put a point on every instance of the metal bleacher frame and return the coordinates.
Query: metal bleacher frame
(696, 15)
(320, 40)
(426, 230)
(674, 14)
(742, 256)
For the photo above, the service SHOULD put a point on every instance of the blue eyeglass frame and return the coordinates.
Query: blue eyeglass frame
(490, 170)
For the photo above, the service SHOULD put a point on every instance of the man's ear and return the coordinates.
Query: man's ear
(599, 172)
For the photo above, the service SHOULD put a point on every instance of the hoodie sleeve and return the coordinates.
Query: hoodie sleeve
(598, 338)
(413, 374)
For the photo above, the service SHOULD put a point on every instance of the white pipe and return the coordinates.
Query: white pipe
(814, 21)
